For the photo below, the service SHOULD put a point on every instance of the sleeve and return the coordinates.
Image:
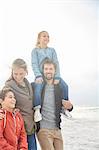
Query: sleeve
(35, 64)
(3, 142)
(55, 59)
(23, 137)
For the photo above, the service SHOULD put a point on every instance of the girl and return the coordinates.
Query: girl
(38, 56)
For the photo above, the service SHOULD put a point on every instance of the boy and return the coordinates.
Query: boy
(12, 132)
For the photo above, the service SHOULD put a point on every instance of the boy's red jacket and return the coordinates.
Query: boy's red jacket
(12, 132)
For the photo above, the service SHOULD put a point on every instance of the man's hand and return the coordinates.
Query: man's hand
(67, 104)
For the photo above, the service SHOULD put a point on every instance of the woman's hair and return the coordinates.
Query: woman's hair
(4, 91)
(38, 38)
(19, 63)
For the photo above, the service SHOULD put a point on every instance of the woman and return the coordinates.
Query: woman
(24, 98)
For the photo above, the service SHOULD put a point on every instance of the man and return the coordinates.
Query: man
(49, 133)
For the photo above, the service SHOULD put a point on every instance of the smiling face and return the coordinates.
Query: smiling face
(9, 101)
(19, 74)
(43, 39)
(49, 71)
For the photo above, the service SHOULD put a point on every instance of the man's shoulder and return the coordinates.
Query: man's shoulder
(58, 84)
(57, 88)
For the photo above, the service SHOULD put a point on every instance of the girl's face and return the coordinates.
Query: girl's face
(19, 75)
(9, 101)
(44, 38)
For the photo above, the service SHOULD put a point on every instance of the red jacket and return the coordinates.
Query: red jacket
(12, 132)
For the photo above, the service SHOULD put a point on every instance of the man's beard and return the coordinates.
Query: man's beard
(47, 77)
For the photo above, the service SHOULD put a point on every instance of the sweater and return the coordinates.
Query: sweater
(38, 56)
(24, 102)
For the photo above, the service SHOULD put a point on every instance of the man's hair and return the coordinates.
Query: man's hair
(49, 61)
(4, 91)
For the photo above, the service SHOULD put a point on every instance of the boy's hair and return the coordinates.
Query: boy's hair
(19, 63)
(4, 91)
(49, 61)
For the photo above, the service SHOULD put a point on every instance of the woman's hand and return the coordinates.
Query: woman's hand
(39, 80)
(0, 100)
(1, 111)
(1, 114)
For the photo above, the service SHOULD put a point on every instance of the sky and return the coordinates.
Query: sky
(73, 29)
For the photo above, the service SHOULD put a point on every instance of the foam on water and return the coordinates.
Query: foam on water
(82, 131)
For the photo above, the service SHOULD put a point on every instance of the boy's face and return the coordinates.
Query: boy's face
(9, 101)
(49, 71)
(19, 75)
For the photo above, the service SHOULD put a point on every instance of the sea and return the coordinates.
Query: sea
(81, 132)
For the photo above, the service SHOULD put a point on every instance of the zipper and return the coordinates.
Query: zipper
(15, 129)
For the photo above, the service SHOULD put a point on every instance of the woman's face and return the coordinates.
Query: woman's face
(19, 75)
(44, 38)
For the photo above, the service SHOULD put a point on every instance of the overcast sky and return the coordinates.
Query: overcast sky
(73, 29)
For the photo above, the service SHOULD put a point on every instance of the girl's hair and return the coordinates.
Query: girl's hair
(19, 63)
(38, 38)
(4, 91)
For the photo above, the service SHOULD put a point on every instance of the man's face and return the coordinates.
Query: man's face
(49, 71)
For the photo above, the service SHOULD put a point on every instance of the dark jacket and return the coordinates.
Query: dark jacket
(58, 103)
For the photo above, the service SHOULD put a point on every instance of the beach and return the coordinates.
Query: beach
(81, 132)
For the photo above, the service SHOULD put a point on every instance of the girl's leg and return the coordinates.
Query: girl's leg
(31, 139)
(37, 101)
(37, 88)
(64, 87)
